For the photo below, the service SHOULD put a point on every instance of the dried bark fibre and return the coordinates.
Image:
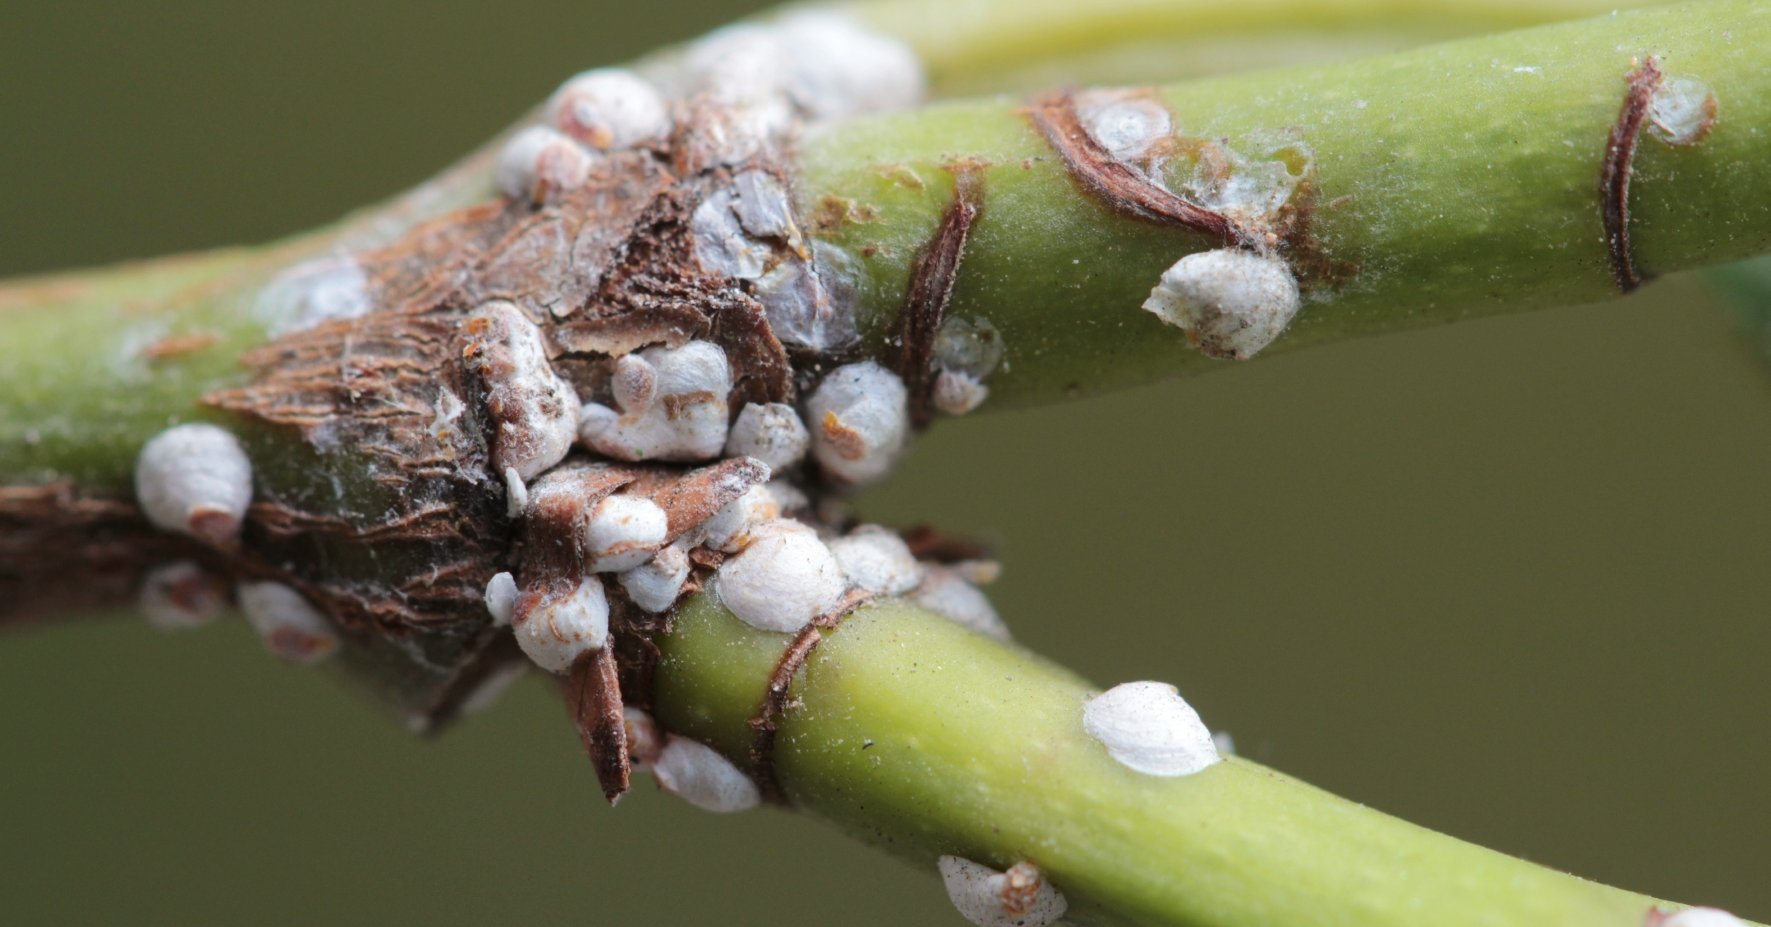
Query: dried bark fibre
(1116, 183)
(594, 692)
(932, 277)
(1614, 174)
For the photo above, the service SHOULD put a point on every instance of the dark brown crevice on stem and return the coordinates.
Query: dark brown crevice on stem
(65, 554)
(594, 692)
(931, 289)
(775, 699)
(1614, 175)
(1117, 183)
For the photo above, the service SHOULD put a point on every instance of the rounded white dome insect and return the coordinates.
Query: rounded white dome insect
(860, 417)
(563, 623)
(783, 579)
(609, 109)
(623, 532)
(1230, 303)
(1020, 897)
(195, 479)
(1149, 728)
(699, 775)
(877, 560)
(288, 624)
(539, 163)
(772, 433)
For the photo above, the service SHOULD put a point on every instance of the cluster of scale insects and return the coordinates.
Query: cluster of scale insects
(611, 514)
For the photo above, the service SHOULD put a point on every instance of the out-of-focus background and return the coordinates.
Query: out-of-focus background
(1506, 579)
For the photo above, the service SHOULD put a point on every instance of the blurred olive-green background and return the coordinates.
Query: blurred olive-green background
(1507, 579)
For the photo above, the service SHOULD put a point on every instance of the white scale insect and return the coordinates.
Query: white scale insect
(623, 532)
(1150, 729)
(859, 419)
(563, 623)
(1020, 897)
(782, 579)
(699, 775)
(1230, 303)
(287, 623)
(194, 479)
(681, 415)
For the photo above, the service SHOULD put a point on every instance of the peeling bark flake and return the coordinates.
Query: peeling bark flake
(1614, 177)
(595, 696)
(931, 288)
(692, 499)
(1115, 182)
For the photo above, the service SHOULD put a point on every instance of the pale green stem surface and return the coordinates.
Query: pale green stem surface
(81, 389)
(1457, 181)
(923, 738)
(970, 45)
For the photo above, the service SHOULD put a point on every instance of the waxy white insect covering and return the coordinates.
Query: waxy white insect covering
(782, 579)
(860, 417)
(1018, 898)
(1693, 917)
(770, 432)
(539, 164)
(683, 418)
(699, 775)
(608, 109)
(501, 598)
(623, 532)
(535, 411)
(877, 560)
(194, 479)
(655, 584)
(288, 624)
(563, 623)
(951, 595)
(824, 63)
(1230, 303)
(181, 595)
(1149, 728)
(731, 528)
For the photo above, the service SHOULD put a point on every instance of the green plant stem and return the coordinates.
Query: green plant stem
(82, 389)
(923, 738)
(979, 45)
(1457, 181)
(1464, 179)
